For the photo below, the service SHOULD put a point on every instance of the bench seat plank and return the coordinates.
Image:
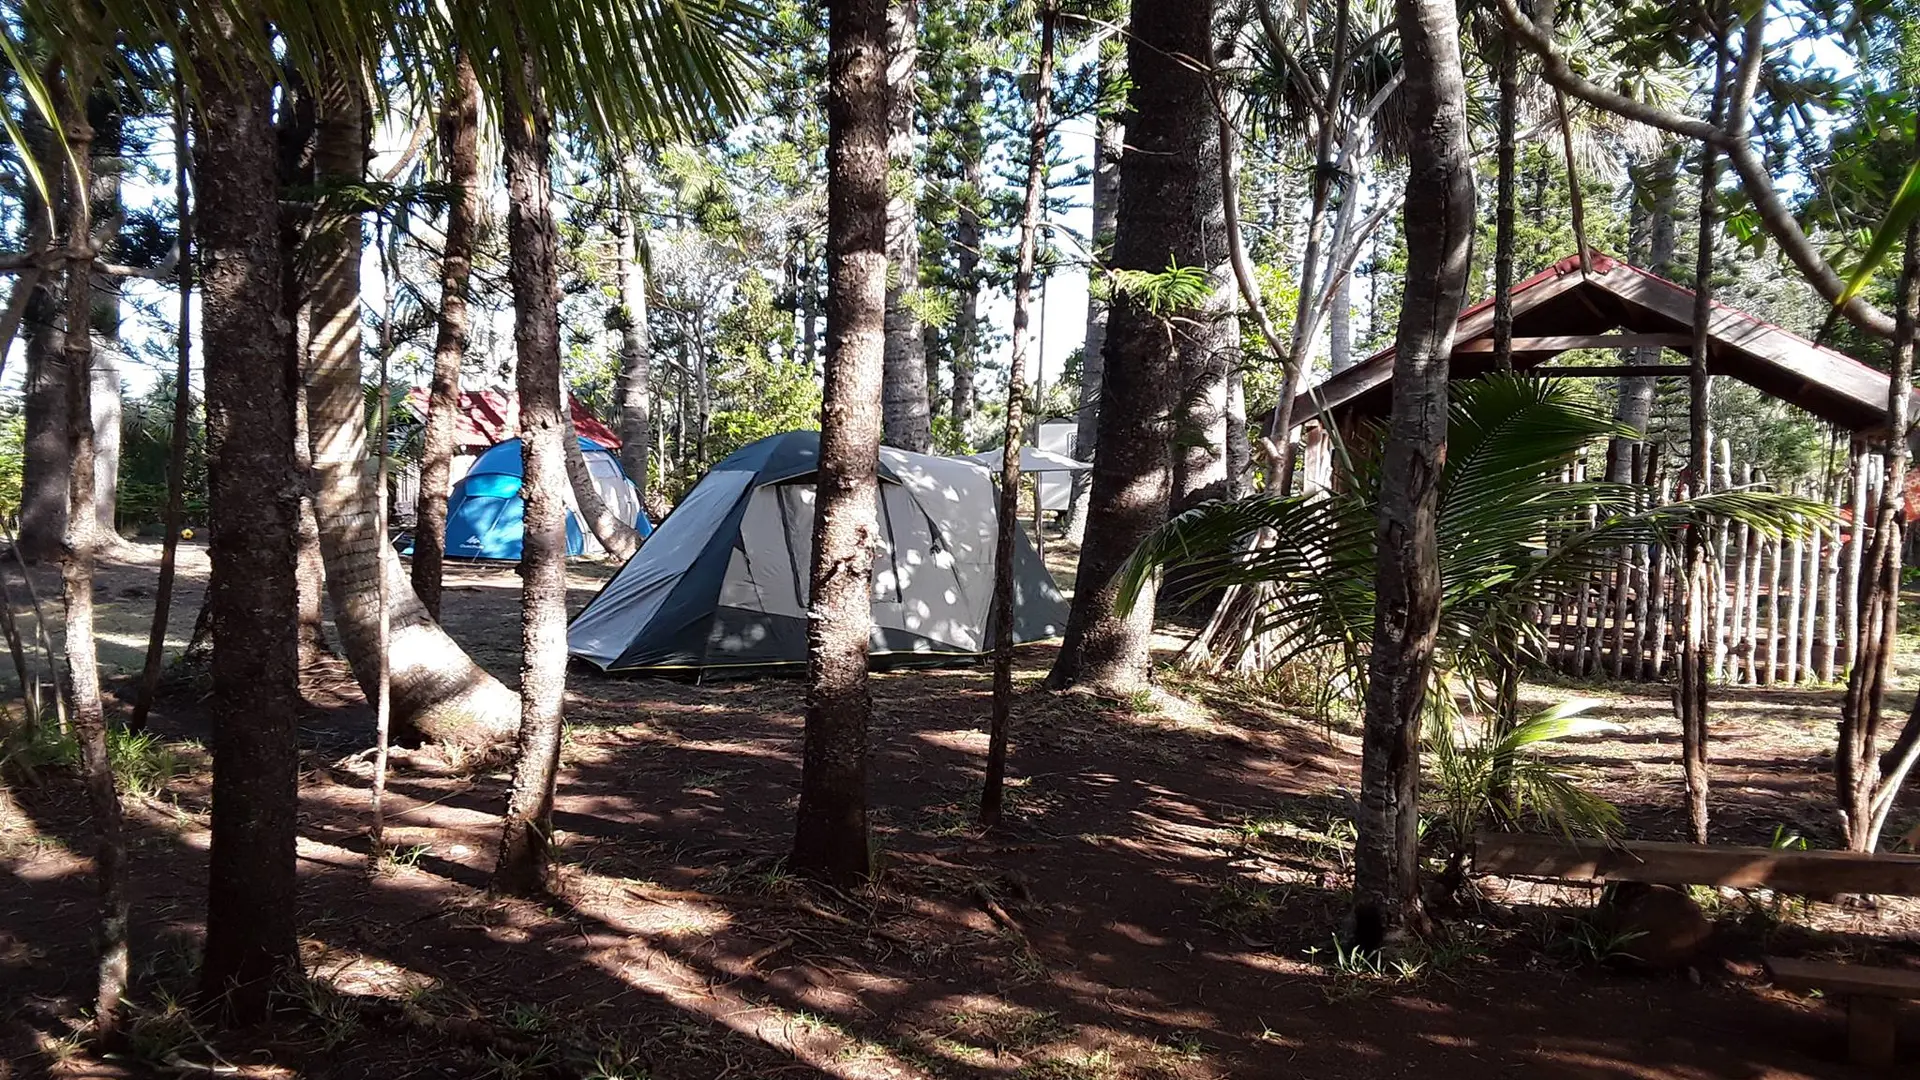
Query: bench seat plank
(1844, 979)
(1818, 873)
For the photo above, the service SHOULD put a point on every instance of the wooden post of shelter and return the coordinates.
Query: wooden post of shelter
(1756, 557)
(1810, 612)
(1584, 596)
(1658, 591)
(1850, 561)
(1829, 651)
(1795, 552)
(1717, 570)
(1623, 572)
(1739, 631)
(1648, 583)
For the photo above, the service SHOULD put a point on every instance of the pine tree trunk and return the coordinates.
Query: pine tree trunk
(968, 238)
(1007, 520)
(1697, 587)
(533, 255)
(617, 536)
(76, 577)
(438, 690)
(1858, 768)
(251, 947)
(45, 464)
(636, 360)
(109, 213)
(1634, 408)
(182, 417)
(905, 420)
(1105, 179)
(1158, 223)
(830, 840)
(1506, 107)
(1439, 224)
(294, 138)
(459, 141)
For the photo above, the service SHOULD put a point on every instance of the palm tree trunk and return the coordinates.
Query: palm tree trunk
(76, 577)
(182, 417)
(459, 139)
(437, 689)
(636, 360)
(1107, 143)
(251, 947)
(545, 428)
(1439, 229)
(830, 836)
(904, 411)
(1007, 523)
(1158, 223)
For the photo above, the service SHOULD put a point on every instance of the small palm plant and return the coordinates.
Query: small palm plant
(1512, 534)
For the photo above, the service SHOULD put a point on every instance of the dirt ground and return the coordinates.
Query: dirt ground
(1161, 906)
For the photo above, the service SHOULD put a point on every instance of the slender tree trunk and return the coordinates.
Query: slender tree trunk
(459, 141)
(182, 417)
(636, 360)
(1439, 226)
(45, 464)
(544, 429)
(1294, 378)
(1157, 224)
(1239, 442)
(1206, 353)
(1858, 769)
(1007, 521)
(905, 419)
(1506, 106)
(830, 841)
(109, 214)
(89, 718)
(1696, 652)
(294, 138)
(1107, 146)
(251, 379)
(617, 536)
(437, 689)
(968, 237)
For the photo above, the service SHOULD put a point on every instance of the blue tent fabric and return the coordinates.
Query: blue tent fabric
(485, 509)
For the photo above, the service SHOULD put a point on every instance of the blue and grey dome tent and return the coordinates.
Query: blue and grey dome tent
(484, 509)
(723, 582)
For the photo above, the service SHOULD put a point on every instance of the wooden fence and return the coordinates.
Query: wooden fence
(1779, 611)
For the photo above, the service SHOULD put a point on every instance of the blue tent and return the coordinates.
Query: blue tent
(484, 509)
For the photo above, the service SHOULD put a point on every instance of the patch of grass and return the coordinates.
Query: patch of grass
(143, 763)
(1097, 1065)
(1359, 972)
(1238, 907)
(1012, 1029)
(616, 1062)
(157, 1034)
(1587, 942)
(527, 1019)
(395, 859)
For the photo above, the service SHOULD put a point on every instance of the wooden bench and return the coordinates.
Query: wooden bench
(1807, 873)
(1870, 994)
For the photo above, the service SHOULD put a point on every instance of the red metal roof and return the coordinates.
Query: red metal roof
(492, 416)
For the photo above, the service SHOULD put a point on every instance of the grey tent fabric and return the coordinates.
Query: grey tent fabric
(722, 584)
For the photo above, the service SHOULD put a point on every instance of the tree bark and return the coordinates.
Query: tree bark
(1858, 768)
(636, 360)
(182, 417)
(1439, 232)
(294, 138)
(76, 577)
(1171, 109)
(1696, 652)
(906, 422)
(108, 212)
(460, 142)
(1108, 140)
(830, 840)
(1634, 407)
(545, 428)
(1206, 351)
(968, 236)
(617, 536)
(251, 378)
(1007, 521)
(1506, 106)
(438, 690)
